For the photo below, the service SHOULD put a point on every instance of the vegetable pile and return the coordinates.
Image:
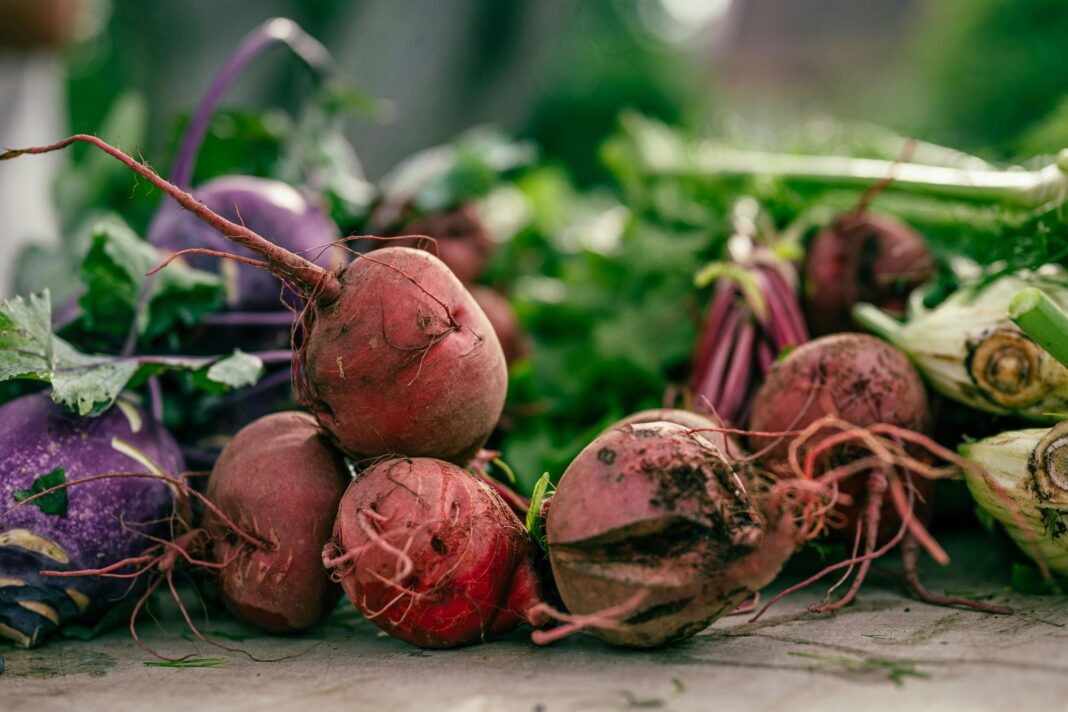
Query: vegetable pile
(373, 380)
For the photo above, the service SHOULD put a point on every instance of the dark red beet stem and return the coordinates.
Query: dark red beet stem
(309, 277)
(275, 30)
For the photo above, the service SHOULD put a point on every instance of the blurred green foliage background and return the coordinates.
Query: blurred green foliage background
(986, 76)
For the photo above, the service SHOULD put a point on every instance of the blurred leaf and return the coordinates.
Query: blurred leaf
(1028, 580)
(235, 371)
(114, 274)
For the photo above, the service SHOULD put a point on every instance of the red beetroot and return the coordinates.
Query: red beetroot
(389, 369)
(397, 355)
(867, 410)
(652, 535)
(432, 555)
(857, 378)
(502, 317)
(463, 242)
(862, 257)
(281, 480)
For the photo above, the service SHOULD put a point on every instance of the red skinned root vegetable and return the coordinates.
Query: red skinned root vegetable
(396, 357)
(653, 535)
(404, 361)
(281, 480)
(854, 377)
(431, 555)
(461, 240)
(849, 411)
(862, 257)
(502, 317)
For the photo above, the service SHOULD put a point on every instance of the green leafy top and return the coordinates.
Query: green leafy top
(113, 273)
(89, 383)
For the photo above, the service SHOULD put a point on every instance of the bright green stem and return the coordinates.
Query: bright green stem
(1026, 189)
(877, 321)
(1043, 320)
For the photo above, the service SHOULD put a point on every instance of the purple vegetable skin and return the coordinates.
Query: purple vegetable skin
(274, 209)
(38, 437)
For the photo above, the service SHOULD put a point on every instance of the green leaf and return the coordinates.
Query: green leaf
(89, 383)
(26, 337)
(441, 177)
(54, 503)
(113, 272)
(235, 371)
(535, 524)
(187, 663)
(86, 384)
(1029, 580)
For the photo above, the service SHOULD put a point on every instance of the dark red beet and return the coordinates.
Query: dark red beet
(501, 315)
(432, 555)
(855, 377)
(652, 535)
(282, 481)
(388, 370)
(862, 258)
(866, 383)
(397, 357)
(464, 242)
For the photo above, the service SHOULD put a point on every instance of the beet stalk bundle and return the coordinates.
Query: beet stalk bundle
(754, 316)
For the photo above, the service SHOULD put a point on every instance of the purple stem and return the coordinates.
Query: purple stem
(737, 383)
(271, 380)
(275, 356)
(711, 385)
(155, 399)
(791, 307)
(67, 313)
(765, 356)
(269, 318)
(717, 313)
(273, 31)
(779, 328)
